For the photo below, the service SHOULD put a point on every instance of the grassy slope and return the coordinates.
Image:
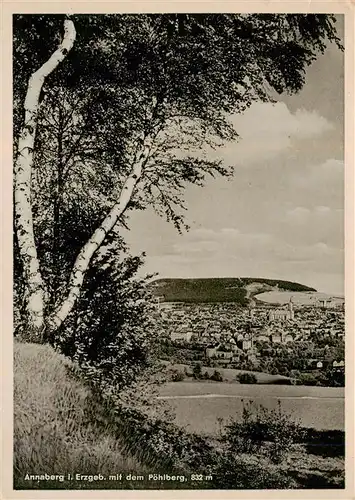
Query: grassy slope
(210, 290)
(59, 429)
(53, 430)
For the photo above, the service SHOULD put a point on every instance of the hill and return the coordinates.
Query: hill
(65, 439)
(208, 290)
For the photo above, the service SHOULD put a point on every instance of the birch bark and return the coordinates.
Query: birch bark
(35, 290)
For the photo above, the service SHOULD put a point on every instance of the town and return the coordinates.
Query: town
(306, 342)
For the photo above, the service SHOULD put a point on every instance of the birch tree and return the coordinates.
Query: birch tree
(35, 292)
(162, 90)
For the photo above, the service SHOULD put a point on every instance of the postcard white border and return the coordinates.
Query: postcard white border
(7, 9)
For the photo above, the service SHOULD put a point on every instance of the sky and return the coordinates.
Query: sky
(281, 216)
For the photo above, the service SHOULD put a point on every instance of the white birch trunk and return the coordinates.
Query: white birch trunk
(93, 244)
(35, 290)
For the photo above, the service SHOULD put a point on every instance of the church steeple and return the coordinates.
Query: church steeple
(251, 308)
(290, 308)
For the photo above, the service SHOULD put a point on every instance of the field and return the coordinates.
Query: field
(299, 298)
(199, 405)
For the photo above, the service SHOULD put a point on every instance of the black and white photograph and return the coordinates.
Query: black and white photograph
(179, 305)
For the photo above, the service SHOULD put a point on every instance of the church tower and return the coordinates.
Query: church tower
(251, 309)
(290, 309)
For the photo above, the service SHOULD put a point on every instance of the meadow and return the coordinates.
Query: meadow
(315, 407)
(282, 297)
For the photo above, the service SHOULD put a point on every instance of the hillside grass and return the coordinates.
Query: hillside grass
(51, 431)
(58, 430)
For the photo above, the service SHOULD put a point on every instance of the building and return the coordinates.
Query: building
(159, 299)
(251, 308)
(246, 344)
(222, 354)
(263, 338)
(283, 314)
(182, 336)
(326, 303)
(244, 341)
(210, 352)
(315, 364)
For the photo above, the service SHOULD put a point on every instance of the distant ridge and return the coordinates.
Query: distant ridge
(209, 290)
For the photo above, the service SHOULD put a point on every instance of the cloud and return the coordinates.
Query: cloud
(202, 243)
(228, 251)
(298, 215)
(311, 226)
(267, 129)
(322, 210)
(275, 120)
(328, 175)
(319, 213)
(282, 218)
(229, 241)
(318, 253)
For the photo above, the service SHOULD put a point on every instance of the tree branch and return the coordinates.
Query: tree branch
(94, 243)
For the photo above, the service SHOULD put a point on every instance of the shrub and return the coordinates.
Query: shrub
(178, 376)
(121, 436)
(335, 378)
(247, 378)
(260, 426)
(197, 370)
(307, 379)
(216, 376)
(110, 333)
(173, 446)
(247, 472)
